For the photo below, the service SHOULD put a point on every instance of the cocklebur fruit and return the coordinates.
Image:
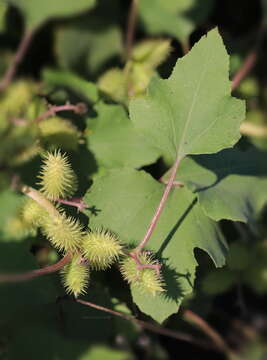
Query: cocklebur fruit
(113, 83)
(75, 276)
(64, 232)
(145, 279)
(101, 249)
(32, 213)
(58, 180)
(151, 52)
(57, 132)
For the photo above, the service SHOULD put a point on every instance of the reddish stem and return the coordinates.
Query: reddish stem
(17, 59)
(79, 108)
(141, 266)
(148, 326)
(174, 184)
(245, 69)
(191, 317)
(131, 28)
(10, 278)
(162, 203)
(76, 202)
(185, 46)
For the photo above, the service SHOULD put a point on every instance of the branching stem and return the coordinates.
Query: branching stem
(158, 212)
(10, 278)
(76, 202)
(17, 59)
(151, 327)
(141, 266)
(79, 108)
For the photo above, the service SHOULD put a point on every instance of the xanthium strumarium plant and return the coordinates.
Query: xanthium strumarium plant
(95, 249)
(174, 119)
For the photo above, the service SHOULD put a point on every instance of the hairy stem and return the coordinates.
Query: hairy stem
(158, 212)
(79, 108)
(10, 278)
(17, 59)
(131, 28)
(151, 327)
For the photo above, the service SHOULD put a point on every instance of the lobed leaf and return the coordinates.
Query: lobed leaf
(113, 140)
(192, 112)
(180, 230)
(230, 185)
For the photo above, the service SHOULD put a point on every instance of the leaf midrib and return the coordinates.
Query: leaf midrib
(189, 116)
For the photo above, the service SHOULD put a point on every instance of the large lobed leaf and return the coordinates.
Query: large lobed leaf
(230, 185)
(114, 141)
(192, 112)
(124, 202)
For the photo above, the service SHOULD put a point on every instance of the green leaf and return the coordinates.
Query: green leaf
(37, 12)
(218, 281)
(103, 352)
(175, 18)
(230, 185)
(23, 296)
(125, 201)
(192, 112)
(64, 79)
(84, 328)
(92, 45)
(113, 140)
(239, 256)
(10, 201)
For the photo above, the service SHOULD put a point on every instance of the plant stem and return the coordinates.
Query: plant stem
(10, 278)
(250, 59)
(218, 340)
(185, 46)
(79, 108)
(41, 200)
(245, 69)
(157, 214)
(148, 326)
(76, 202)
(131, 28)
(18, 57)
(250, 129)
